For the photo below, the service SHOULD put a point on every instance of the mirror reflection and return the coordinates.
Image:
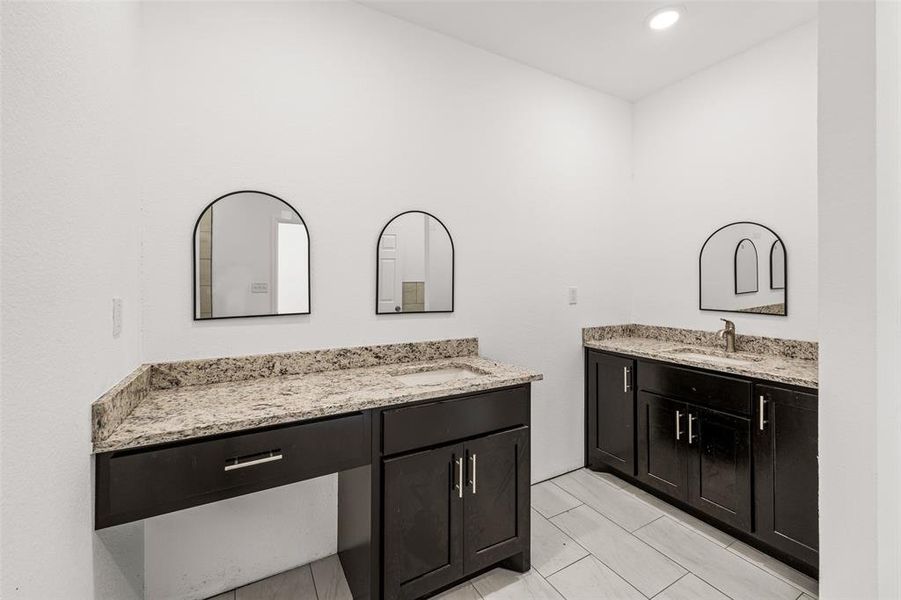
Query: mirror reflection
(777, 266)
(251, 258)
(731, 271)
(415, 270)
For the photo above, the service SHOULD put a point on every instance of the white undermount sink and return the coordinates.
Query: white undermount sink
(436, 376)
(710, 355)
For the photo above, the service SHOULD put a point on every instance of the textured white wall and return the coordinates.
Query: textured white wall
(735, 142)
(70, 243)
(353, 117)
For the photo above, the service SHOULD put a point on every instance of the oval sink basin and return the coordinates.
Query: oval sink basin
(436, 376)
(711, 355)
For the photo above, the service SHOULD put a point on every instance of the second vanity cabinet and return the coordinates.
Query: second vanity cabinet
(734, 451)
(454, 509)
(694, 453)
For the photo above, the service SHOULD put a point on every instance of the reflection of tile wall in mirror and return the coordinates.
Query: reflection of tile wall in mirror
(413, 296)
(205, 244)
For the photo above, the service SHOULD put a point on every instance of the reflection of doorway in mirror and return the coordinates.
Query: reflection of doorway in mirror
(292, 295)
(388, 274)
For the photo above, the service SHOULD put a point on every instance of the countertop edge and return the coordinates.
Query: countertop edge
(725, 369)
(199, 433)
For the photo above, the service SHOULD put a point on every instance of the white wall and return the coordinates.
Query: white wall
(353, 117)
(735, 142)
(70, 243)
(859, 273)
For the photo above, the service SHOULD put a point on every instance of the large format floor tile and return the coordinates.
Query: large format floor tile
(691, 588)
(777, 568)
(552, 549)
(550, 500)
(641, 565)
(328, 577)
(590, 579)
(501, 584)
(612, 502)
(296, 584)
(585, 551)
(683, 518)
(726, 571)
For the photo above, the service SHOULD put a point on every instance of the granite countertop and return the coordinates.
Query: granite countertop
(196, 404)
(768, 359)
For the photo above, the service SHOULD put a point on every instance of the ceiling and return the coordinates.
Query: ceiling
(606, 45)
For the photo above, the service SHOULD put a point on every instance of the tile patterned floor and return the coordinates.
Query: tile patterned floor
(594, 537)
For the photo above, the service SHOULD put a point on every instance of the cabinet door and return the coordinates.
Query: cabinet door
(662, 439)
(785, 469)
(423, 512)
(611, 412)
(719, 470)
(496, 502)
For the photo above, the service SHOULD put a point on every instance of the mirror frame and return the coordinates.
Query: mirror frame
(194, 262)
(701, 274)
(378, 241)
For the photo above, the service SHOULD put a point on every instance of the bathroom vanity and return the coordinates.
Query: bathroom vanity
(729, 437)
(430, 442)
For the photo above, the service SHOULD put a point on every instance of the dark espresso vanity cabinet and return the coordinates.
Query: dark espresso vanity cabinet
(694, 439)
(429, 492)
(452, 510)
(785, 460)
(736, 452)
(611, 417)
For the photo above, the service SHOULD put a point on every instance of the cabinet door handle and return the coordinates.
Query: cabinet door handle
(251, 461)
(627, 376)
(459, 485)
(691, 437)
(472, 460)
(678, 425)
(760, 412)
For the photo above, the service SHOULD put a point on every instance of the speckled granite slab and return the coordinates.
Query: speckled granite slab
(768, 359)
(186, 411)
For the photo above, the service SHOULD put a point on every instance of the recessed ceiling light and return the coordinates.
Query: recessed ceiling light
(664, 18)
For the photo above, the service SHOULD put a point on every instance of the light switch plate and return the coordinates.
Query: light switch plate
(259, 287)
(117, 317)
(573, 295)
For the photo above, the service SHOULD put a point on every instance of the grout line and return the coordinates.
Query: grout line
(612, 570)
(773, 573)
(674, 583)
(637, 538)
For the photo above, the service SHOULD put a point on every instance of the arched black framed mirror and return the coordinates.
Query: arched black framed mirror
(777, 266)
(251, 258)
(414, 265)
(729, 271)
(745, 267)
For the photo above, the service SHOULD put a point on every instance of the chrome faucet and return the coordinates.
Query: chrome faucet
(728, 333)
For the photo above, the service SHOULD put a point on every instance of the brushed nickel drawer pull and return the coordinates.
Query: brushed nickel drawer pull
(253, 460)
(760, 410)
(459, 485)
(691, 436)
(472, 459)
(678, 424)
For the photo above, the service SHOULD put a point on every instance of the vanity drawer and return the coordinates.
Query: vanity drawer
(424, 425)
(718, 392)
(137, 484)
